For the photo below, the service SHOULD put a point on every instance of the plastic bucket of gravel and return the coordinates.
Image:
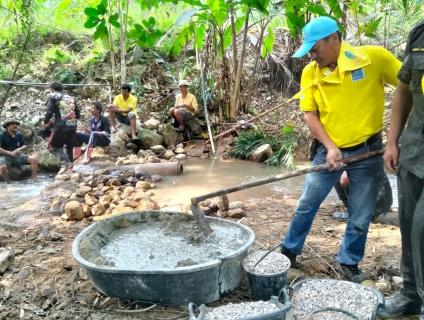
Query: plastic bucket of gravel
(332, 314)
(312, 296)
(269, 276)
(274, 309)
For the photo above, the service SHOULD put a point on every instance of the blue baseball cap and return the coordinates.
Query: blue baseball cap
(317, 29)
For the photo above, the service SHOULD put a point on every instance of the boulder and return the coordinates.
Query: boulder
(193, 126)
(169, 154)
(117, 146)
(159, 149)
(47, 161)
(235, 205)
(236, 213)
(18, 172)
(27, 132)
(149, 138)
(7, 258)
(152, 124)
(262, 153)
(98, 209)
(74, 211)
(170, 136)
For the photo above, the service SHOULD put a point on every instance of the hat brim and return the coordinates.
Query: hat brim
(9, 122)
(304, 49)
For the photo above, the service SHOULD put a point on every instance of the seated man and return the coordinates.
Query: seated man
(11, 146)
(185, 106)
(124, 110)
(384, 198)
(98, 134)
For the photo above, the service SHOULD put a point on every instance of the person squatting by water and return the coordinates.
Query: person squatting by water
(96, 135)
(408, 101)
(185, 106)
(342, 97)
(123, 109)
(65, 111)
(12, 143)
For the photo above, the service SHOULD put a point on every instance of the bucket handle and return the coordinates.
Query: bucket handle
(284, 296)
(191, 309)
(267, 253)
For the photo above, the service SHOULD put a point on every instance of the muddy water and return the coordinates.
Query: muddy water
(18, 192)
(162, 249)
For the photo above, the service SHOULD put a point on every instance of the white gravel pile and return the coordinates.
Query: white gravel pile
(271, 264)
(241, 310)
(317, 295)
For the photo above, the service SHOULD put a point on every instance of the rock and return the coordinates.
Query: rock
(245, 222)
(90, 199)
(98, 209)
(33, 90)
(170, 136)
(235, 205)
(180, 156)
(117, 146)
(179, 150)
(27, 132)
(152, 124)
(86, 209)
(168, 154)
(82, 191)
(193, 126)
(141, 174)
(105, 200)
(222, 202)
(149, 138)
(129, 190)
(36, 120)
(18, 172)
(64, 216)
(74, 211)
(132, 204)
(47, 161)
(236, 213)
(148, 204)
(137, 55)
(142, 185)
(158, 149)
(262, 153)
(46, 291)
(7, 258)
(222, 214)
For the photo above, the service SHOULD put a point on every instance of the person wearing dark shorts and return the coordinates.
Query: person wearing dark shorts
(185, 106)
(12, 143)
(65, 111)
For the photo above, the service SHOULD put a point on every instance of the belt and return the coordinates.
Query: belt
(375, 137)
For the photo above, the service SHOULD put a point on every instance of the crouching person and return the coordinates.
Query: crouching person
(97, 135)
(12, 143)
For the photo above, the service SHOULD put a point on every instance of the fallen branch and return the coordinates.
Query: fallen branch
(251, 120)
(135, 311)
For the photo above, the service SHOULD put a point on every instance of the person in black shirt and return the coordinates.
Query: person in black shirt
(12, 143)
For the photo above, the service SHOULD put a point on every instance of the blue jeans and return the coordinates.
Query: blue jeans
(91, 139)
(365, 180)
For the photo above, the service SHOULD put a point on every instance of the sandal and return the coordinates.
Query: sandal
(180, 129)
(113, 130)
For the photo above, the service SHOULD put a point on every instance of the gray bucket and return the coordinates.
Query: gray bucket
(263, 286)
(201, 283)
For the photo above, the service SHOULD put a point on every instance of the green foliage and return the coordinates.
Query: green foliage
(6, 72)
(268, 43)
(65, 76)
(145, 34)
(56, 55)
(284, 156)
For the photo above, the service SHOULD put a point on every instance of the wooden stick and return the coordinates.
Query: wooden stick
(251, 120)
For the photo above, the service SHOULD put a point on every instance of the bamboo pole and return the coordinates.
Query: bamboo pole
(251, 120)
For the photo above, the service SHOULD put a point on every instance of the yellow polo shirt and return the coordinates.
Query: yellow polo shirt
(350, 99)
(131, 102)
(189, 100)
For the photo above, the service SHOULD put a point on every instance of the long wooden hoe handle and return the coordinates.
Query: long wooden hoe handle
(324, 166)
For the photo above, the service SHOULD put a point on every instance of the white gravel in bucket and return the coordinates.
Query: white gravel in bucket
(334, 315)
(273, 263)
(241, 310)
(317, 295)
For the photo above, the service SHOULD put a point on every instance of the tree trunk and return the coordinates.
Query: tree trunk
(122, 41)
(112, 52)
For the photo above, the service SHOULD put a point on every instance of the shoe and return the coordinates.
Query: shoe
(180, 129)
(291, 255)
(87, 156)
(342, 216)
(135, 140)
(76, 153)
(353, 273)
(402, 302)
(112, 130)
(65, 168)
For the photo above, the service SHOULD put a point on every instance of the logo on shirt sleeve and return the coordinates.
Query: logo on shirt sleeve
(357, 74)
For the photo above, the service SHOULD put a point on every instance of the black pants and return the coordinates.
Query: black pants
(411, 222)
(59, 140)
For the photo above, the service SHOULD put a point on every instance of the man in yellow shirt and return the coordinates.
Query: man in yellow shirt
(123, 109)
(185, 106)
(342, 96)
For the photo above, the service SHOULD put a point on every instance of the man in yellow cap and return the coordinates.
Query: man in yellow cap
(342, 95)
(409, 165)
(12, 143)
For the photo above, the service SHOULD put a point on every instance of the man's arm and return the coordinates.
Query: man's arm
(77, 110)
(314, 124)
(401, 108)
(50, 111)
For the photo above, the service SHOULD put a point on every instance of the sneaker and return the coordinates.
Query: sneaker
(65, 168)
(353, 273)
(291, 255)
(112, 130)
(402, 302)
(342, 216)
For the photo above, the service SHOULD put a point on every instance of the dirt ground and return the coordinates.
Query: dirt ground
(45, 282)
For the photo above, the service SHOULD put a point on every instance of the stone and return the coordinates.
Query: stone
(47, 161)
(169, 154)
(64, 216)
(170, 136)
(262, 153)
(245, 221)
(105, 200)
(90, 199)
(98, 209)
(142, 185)
(74, 211)
(82, 191)
(137, 55)
(129, 190)
(87, 210)
(149, 138)
(152, 124)
(158, 149)
(132, 204)
(179, 150)
(180, 156)
(7, 258)
(193, 126)
(236, 213)
(222, 202)
(235, 205)
(221, 214)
